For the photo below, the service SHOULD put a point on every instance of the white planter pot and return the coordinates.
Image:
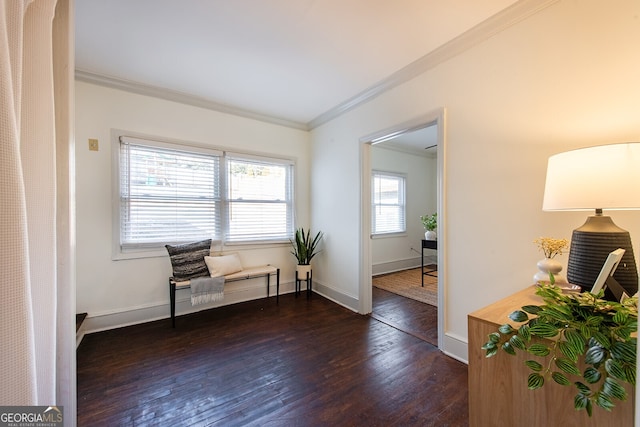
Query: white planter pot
(546, 266)
(302, 270)
(430, 235)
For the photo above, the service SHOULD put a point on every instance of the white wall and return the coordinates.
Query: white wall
(399, 252)
(565, 77)
(129, 291)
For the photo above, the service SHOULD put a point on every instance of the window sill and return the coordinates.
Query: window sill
(216, 247)
(389, 235)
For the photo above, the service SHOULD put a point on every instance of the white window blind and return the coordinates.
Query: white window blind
(167, 194)
(388, 203)
(259, 199)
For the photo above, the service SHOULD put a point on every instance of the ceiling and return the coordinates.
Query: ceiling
(423, 141)
(292, 61)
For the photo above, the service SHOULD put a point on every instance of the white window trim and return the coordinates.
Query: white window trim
(116, 251)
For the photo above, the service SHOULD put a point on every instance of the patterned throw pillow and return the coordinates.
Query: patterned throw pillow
(187, 260)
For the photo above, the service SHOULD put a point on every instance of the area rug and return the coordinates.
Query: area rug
(408, 284)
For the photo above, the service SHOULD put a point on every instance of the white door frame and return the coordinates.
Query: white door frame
(438, 118)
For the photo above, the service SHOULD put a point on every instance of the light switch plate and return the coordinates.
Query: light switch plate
(93, 144)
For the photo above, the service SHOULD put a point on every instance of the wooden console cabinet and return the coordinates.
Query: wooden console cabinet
(498, 393)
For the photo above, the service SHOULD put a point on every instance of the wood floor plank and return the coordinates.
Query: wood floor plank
(413, 317)
(300, 363)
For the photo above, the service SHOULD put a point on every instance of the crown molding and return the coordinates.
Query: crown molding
(497, 23)
(181, 97)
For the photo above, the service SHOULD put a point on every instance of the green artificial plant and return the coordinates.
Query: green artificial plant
(429, 222)
(578, 327)
(304, 246)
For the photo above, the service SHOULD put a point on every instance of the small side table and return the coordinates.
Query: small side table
(307, 279)
(428, 244)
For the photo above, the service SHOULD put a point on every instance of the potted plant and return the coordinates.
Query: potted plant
(575, 339)
(430, 223)
(304, 249)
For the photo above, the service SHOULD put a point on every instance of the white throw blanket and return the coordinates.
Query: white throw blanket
(207, 289)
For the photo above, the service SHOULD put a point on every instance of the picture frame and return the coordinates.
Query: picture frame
(608, 269)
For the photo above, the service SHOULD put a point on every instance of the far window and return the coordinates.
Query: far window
(388, 203)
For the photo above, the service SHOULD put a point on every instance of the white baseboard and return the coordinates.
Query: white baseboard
(347, 301)
(456, 347)
(96, 322)
(396, 265)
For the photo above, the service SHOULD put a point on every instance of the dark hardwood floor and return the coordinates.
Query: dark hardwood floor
(410, 316)
(304, 362)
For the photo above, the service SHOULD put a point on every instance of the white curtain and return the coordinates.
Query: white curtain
(30, 323)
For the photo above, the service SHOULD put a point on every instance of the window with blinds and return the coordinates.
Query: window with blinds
(259, 199)
(167, 194)
(170, 193)
(388, 203)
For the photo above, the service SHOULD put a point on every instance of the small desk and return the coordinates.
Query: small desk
(428, 244)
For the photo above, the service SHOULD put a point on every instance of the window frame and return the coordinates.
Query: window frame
(289, 191)
(402, 177)
(152, 250)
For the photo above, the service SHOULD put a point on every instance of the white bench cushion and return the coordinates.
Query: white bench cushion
(246, 273)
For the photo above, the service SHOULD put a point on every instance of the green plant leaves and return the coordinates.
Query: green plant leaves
(567, 366)
(625, 351)
(533, 365)
(592, 375)
(594, 320)
(517, 342)
(604, 401)
(532, 309)
(620, 317)
(614, 389)
(574, 338)
(506, 329)
(525, 332)
(570, 350)
(508, 348)
(615, 369)
(581, 401)
(544, 330)
(560, 378)
(584, 389)
(630, 373)
(305, 247)
(494, 337)
(569, 329)
(601, 339)
(558, 313)
(535, 381)
(519, 316)
(539, 350)
(490, 351)
(595, 355)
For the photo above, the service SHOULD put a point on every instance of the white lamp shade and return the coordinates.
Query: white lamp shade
(601, 177)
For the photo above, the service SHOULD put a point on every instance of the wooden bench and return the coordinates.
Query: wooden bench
(246, 273)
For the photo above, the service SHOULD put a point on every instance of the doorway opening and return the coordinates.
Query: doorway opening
(416, 151)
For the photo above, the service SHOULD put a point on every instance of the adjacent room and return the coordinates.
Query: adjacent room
(184, 144)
